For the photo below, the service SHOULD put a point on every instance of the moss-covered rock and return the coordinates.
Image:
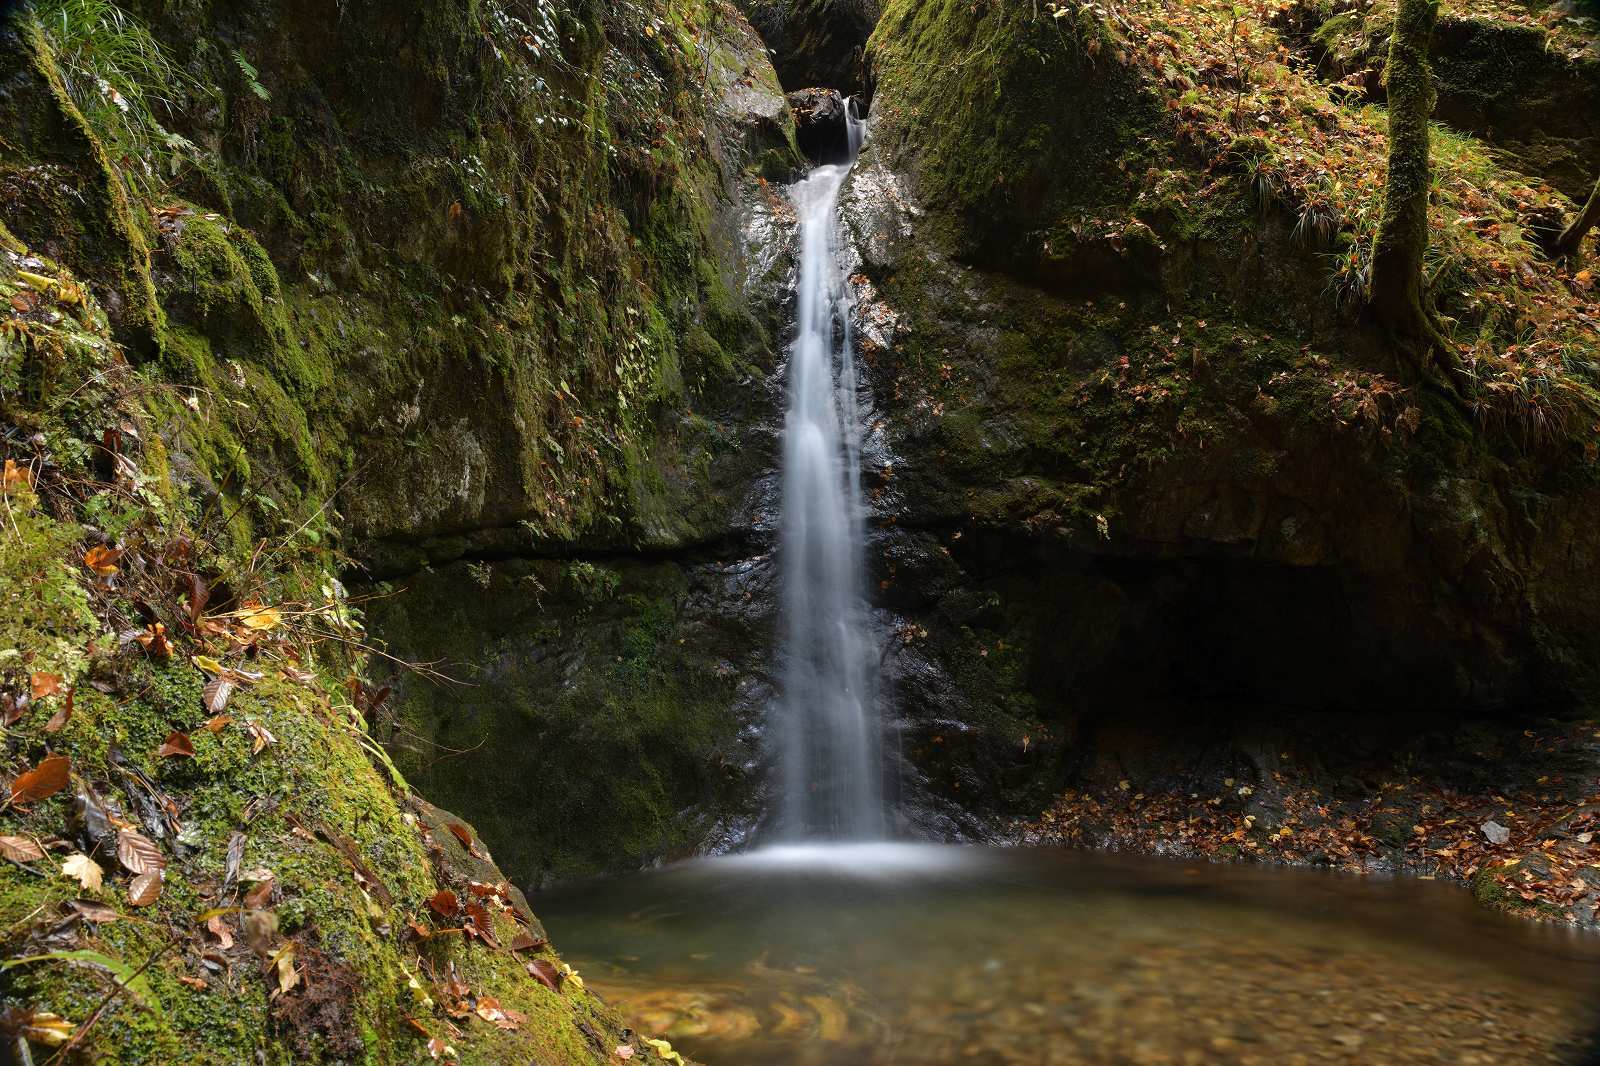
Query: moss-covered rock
(1137, 444)
(208, 858)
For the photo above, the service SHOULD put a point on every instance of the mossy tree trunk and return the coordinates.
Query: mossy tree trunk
(1399, 294)
(1586, 220)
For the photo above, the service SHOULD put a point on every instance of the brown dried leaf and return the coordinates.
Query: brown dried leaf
(214, 697)
(219, 929)
(94, 912)
(258, 896)
(43, 685)
(102, 560)
(138, 854)
(526, 941)
(283, 963)
(20, 849)
(544, 971)
(461, 833)
(145, 889)
(215, 723)
(43, 781)
(177, 744)
(444, 903)
(63, 714)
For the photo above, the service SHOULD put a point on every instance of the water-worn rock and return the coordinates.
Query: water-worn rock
(821, 125)
(817, 42)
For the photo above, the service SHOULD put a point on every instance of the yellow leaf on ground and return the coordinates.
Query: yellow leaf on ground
(85, 869)
(262, 618)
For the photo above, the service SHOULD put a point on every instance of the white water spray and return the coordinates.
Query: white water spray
(829, 734)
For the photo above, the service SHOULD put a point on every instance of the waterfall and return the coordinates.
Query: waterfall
(829, 734)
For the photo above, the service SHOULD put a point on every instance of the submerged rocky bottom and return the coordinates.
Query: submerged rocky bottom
(910, 954)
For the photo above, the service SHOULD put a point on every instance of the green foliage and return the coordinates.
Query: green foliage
(123, 82)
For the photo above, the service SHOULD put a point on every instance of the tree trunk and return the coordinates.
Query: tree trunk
(1399, 294)
(1572, 237)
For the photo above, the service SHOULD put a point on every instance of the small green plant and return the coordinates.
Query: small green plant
(121, 80)
(595, 584)
(252, 77)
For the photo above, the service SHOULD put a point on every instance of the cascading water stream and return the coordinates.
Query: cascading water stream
(828, 734)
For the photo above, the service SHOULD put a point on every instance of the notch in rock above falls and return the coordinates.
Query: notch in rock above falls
(821, 124)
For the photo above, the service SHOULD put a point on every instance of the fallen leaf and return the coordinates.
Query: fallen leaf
(20, 849)
(260, 618)
(544, 971)
(144, 889)
(214, 696)
(15, 476)
(176, 744)
(261, 738)
(43, 781)
(526, 941)
(460, 832)
(283, 962)
(208, 664)
(43, 685)
(664, 1051)
(138, 854)
(219, 929)
(95, 912)
(154, 640)
(258, 896)
(215, 723)
(444, 903)
(102, 560)
(63, 714)
(42, 1027)
(624, 1051)
(85, 869)
(196, 983)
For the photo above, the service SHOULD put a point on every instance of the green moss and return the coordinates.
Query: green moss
(48, 623)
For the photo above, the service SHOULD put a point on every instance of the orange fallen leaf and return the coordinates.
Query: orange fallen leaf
(177, 744)
(102, 560)
(16, 476)
(43, 684)
(444, 903)
(43, 781)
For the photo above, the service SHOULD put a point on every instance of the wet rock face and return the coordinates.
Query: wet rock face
(821, 125)
(817, 42)
(1076, 524)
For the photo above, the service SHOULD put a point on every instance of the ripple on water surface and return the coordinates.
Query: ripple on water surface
(910, 954)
